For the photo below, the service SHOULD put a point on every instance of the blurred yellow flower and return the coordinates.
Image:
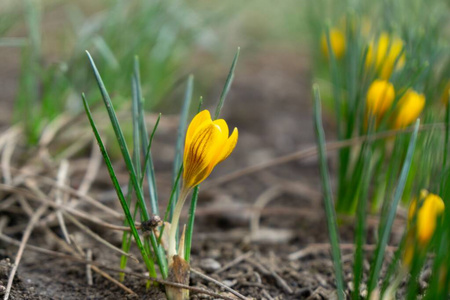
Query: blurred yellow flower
(337, 42)
(446, 94)
(385, 54)
(380, 97)
(432, 207)
(409, 108)
(426, 218)
(207, 144)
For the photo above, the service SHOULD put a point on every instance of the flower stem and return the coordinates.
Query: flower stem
(174, 224)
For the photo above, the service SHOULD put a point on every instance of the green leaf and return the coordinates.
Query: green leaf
(145, 255)
(162, 262)
(227, 85)
(328, 195)
(179, 148)
(390, 214)
(190, 225)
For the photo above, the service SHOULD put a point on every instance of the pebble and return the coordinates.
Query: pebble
(210, 265)
(229, 283)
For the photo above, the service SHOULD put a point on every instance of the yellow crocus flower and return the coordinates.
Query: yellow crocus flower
(432, 207)
(337, 42)
(380, 97)
(207, 144)
(426, 218)
(409, 108)
(383, 55)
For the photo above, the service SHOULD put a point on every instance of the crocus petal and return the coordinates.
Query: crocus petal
(223, 126)
(207, 143)
(427, 216)
(410, 107)
(197, 121)
(380, 97)
(200, 153)
(337, 42)
(229, 146)
(385, 54)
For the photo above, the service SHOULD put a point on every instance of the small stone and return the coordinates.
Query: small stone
(214, 253)
(229, 283)
(210, 265)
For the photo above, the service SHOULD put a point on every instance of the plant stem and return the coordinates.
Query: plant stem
(174, 224)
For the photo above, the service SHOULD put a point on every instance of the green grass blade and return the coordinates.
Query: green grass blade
(147, 156)
(126, 236)
(136, 130)
(447, 133)
(200, 104)
(146, 256)
(390, 214)
(171, 200)
(393, 266)
(126, 241)
(190, 225)
(328, 195)
(120, 139)
(162, 262)
(227, 85)
(179, 148)
(360, 234)
(149, 169)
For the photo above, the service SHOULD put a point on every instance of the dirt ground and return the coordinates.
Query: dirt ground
(249, 229)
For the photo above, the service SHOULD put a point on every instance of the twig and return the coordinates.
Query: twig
(281, 281)
(25, 205)
(91, 170)
(3, 221)
(75, 147)
(200, 274)
(50, 131)
(10, 132)
(116, 282)
(98, 238)
(269, 271)
(79, 194)
(6, 159)
(26, 236)
(266, 293)
(313, 248)
(83, 261)
(7, 203)
(234, 262)
(259, 204)
(70, 210)
(312, 151)
(81, 254)
(62, 174)
(88, 267)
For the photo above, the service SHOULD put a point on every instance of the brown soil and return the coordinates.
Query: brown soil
(270, 103)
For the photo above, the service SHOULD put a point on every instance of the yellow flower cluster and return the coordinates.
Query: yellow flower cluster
(385, 55)
(380, 97)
